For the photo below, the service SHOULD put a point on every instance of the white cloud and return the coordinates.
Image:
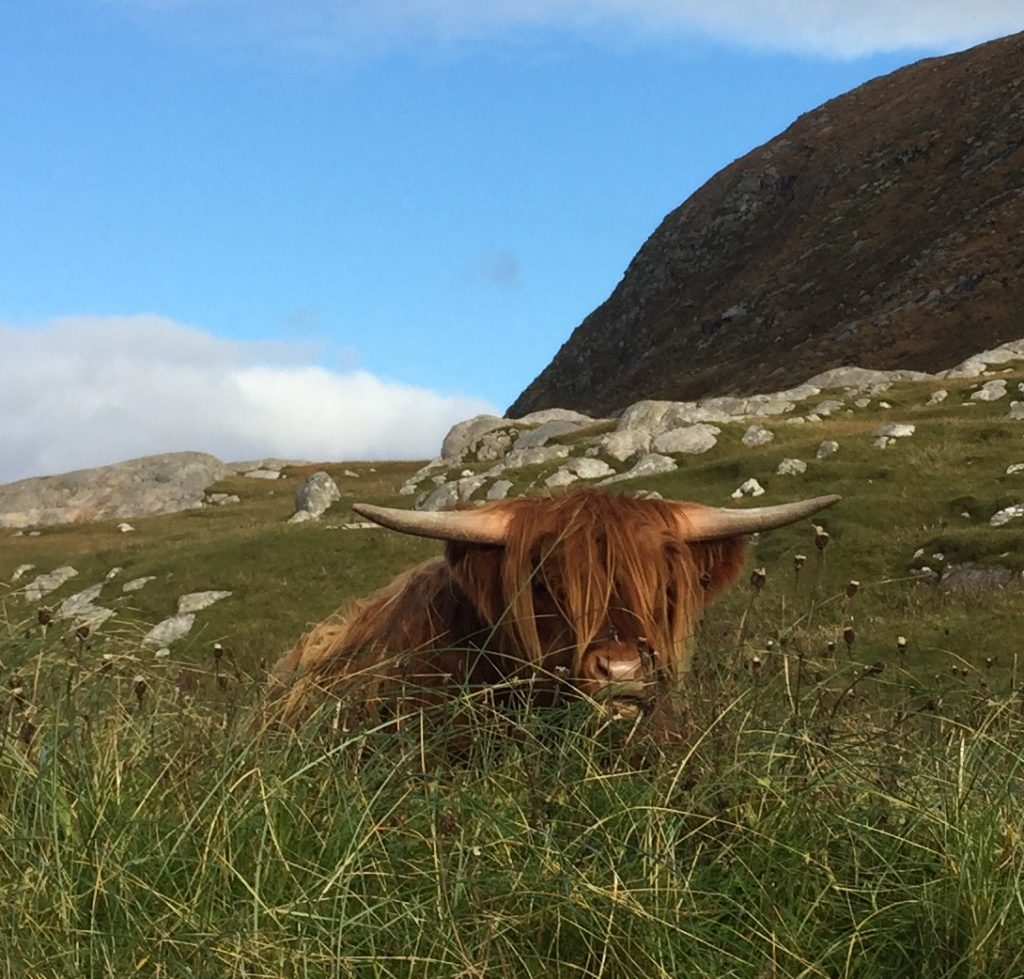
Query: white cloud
(829, 27)
(87, 391)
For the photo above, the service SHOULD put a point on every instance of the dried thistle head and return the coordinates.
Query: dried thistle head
(852, 586)
(849, 635)
(82, 632)
(821, 537)
(139, 687)
(901, 645)
(799, 560)
(218, 651)
(44, 616)
(758, 577)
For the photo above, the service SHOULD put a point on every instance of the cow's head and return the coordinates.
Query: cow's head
(599, 590)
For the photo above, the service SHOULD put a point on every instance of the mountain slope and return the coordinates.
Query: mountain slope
(885, 229)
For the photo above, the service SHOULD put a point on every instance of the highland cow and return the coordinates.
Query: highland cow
(589, 593)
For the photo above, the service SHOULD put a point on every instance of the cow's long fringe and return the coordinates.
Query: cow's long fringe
(572, 568)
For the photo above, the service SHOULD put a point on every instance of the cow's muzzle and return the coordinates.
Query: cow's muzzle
(613, 669)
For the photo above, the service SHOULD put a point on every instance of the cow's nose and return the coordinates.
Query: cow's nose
(613, 667)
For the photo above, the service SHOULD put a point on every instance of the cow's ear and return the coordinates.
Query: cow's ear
(721, 560)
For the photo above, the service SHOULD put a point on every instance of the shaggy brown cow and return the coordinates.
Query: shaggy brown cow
(590, 591)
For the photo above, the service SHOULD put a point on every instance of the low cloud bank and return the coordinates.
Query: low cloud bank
(88, 391)
(834, 28)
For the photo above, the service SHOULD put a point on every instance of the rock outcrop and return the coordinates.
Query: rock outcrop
(137, 488)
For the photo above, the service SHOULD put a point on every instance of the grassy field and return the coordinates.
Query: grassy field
(838, 805)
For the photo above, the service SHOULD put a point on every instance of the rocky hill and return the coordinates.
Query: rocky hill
(884, 229)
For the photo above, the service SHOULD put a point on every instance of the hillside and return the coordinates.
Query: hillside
(844, 799)
(885, 229)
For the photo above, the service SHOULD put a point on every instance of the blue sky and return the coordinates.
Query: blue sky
(391, 214)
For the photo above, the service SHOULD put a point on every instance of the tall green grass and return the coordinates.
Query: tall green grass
(816, 815)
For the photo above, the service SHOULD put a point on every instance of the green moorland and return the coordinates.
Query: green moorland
(837, 803)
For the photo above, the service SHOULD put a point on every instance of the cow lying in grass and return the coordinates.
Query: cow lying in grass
(588, 593)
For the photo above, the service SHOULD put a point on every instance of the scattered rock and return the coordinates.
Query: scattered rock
(20, 571)
(221, 499)
(990, 391)
(136, 583)
(937, 397)
(126, 528)
(113, 573)
(75, 604)
(1016, 412)
(791, 467)
(829, 407)
(1010, 471)
(301, 516)
(316, 494)
(350, 473)
(549, 430)
(862, 402)
(447, 495)
(198, 600)
(43, 584)
(263, 474)
(968, 578)
(1007, 514)
(170, 630)
(690, 440)
(757, 435)
(499, 489)
(649, 465)
(749, 488)
(894, 431)
(826, 449)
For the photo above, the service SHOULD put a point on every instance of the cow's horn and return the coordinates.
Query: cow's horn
(713, 523)
(469, 526)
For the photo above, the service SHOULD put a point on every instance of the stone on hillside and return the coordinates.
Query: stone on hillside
(1007, 514)
(1015, 468)
(140, 487)
(895, 430)
(556, 415)
(1016, 412)
(113, 573)
(136, 583)
(862, 402)
(448, 495)
(968, 578)
(499, 490)
(74, 604)
(749, 488)
(20, 571)
(538, 456)
(301, 516)
(544, 433)
(559, 478)
(198, 600)
(791, 467)
(316, 494)
(461, 436)
(976, 365)
(689, 440)
(221, 499)
(829, 407)
(757, 435)
(625, 443)
(827, 448)
(990, 391)
(94, 616)
(350, 473)
(649, 465)
(43, 584)
(937, 397)
(576, 469)
(495, 445)
(263, 474)
(125, 528)
(169, 630)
